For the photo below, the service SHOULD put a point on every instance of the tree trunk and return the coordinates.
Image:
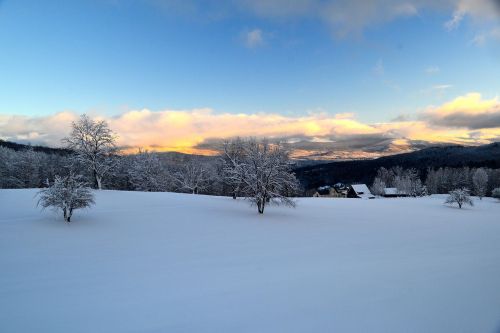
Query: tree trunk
(69, 215)
(65, 214)
(459, 205)
(234, 195)
(260, 205)
(99, 182)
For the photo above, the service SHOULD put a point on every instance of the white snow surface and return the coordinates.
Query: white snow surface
(163, 262)
(391, 190)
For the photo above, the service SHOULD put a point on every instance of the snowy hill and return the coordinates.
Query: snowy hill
(163, 262)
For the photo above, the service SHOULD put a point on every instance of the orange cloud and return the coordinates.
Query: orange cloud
(468, 119)
(469, 111)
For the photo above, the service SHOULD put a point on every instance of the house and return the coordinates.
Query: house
(359, 191)
(330, 192)
(322, 191)
(392, 192)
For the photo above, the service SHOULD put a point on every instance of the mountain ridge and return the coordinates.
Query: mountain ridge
(432, 157)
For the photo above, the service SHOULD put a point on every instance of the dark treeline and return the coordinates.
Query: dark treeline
(19, 146)
(364, 171)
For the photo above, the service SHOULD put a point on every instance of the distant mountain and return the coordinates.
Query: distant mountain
(47, 150)
(363, 171)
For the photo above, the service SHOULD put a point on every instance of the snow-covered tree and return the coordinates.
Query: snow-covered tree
(232, 156)
(66, 194)
(460, 197)
(378, 186)
(480, 182)
(27, 167)
(192, 177)
(493, 179)
(146, 172)
(432, 181)
(8, 158)
(408, 182)
(496, 193)
(267, 175)
(386, 176)
(94, 145)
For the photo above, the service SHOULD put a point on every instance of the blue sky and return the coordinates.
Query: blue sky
(109, 57)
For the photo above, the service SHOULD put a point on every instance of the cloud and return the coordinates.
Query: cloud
(469, 111)
(454, 22)
(37, 130)
(253, 38)
(468, 119)
(442, 86)
(432, 70)
(343, 17)
(480, 39)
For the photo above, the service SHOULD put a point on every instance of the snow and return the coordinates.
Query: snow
(390, 191)
(163, 262)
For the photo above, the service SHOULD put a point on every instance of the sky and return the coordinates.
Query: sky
(334, 78)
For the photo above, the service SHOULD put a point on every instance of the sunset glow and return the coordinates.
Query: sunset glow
(333, 79)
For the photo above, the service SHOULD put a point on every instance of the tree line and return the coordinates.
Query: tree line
(479, 181)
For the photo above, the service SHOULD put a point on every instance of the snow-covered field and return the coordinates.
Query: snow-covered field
(162, 262)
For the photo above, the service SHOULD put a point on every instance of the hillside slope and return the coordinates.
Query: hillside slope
(163, 262)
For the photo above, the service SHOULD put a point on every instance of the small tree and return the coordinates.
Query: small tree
(378, 187)
(480, 182)
(460, 197)
(66, 194)
(265, 174)
(496, 193)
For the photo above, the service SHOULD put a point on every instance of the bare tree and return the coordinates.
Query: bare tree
(432, 181)
(66, 194)
(460, 197)
(8, 174)
(480, 182)
(265, 174)
(192, 177)
(232, 156)
(408, 182)
(94, 145)
(378, 186)
(28, 168)
(147, 173)
(386, 176)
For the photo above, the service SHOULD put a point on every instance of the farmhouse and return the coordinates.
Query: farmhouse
(330, 192)
(359, 191)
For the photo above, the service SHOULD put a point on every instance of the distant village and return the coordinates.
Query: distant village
(341, 190)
